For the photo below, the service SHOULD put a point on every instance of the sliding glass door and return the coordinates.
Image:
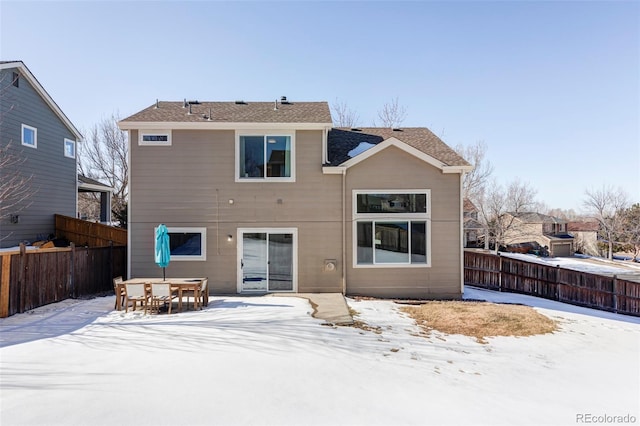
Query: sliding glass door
(267, 259)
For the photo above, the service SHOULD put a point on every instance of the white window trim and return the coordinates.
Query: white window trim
(142, 134)
(72, 142)
(192, 230)
(390, 217)
(35, 136)
(289, 133)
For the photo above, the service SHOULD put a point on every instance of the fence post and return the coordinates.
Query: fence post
(110, 277)
(557, 292)
(615, 293)
(499, 272)
(5, 285)
(72, 272)
(21, 284)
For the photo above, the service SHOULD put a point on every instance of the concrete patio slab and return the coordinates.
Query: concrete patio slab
(330, 307)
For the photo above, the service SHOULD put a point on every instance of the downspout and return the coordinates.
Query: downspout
(129, 202)
(344, 235)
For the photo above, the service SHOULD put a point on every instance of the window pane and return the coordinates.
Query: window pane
(155, 138)
(365, 243)
(392, 203)
(278, 156)
(251, 156)
(70, 149)
(185, 244)
(254, 261)
(280, 261)
(392, 242)
(418, 242)
(28, 136)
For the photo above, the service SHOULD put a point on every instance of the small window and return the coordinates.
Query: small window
(157, 138)
(265, 157)
(15, 79)
(29, 136)
(392, 203)
(69, 148)
(188, 243)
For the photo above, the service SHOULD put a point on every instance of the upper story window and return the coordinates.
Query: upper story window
(29, 136)
(15, 79)
(392, 228)
(265, 157)
(188, 243)
(391, 202)
(157, 138)
(69, 148)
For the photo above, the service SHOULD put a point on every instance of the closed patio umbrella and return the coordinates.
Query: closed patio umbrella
(162, 249)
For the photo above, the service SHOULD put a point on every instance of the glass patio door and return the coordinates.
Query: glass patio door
(267, 260)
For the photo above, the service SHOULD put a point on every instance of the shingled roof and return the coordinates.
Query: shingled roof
(343, 140)
(234, 112)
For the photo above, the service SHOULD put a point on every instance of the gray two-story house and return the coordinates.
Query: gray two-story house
(38, 173)
(269, 197)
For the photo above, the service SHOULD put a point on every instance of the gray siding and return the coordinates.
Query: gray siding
(54, 176)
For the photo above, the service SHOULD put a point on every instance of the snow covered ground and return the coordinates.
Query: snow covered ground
(266, 361)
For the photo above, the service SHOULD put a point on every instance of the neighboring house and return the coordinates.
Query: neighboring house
(36, 133)
(98, 209)
(474, 232)
(547, 231)
(268, 197)
(585, 234)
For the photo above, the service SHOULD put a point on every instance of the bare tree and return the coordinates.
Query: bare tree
(343, 115)
(607, 206)
(392, 115)
(631, 230)
(15, 188)
(475, 180)
(498, 208)
(103, 156)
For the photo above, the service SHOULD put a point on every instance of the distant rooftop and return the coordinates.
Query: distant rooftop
(533, 217)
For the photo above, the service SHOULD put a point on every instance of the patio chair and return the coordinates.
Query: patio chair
(118, 292)
(135, 293)
(200, 296)
(160, 292)
(204, 293)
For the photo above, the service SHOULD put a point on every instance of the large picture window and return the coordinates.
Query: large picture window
(188, 243)
(391, 228)
(265, 157)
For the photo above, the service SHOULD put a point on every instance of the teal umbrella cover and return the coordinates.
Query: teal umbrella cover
(162, 249)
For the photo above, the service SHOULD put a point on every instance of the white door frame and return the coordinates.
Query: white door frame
(240, 250)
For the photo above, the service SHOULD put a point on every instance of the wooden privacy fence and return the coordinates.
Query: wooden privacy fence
(29, 279)
(609, 293)
(91, 234)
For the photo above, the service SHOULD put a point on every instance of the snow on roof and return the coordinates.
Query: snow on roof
(360, 149)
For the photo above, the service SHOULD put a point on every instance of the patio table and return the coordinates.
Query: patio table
(182, 285)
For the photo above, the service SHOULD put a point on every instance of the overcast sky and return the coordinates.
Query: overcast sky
(552, 88)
